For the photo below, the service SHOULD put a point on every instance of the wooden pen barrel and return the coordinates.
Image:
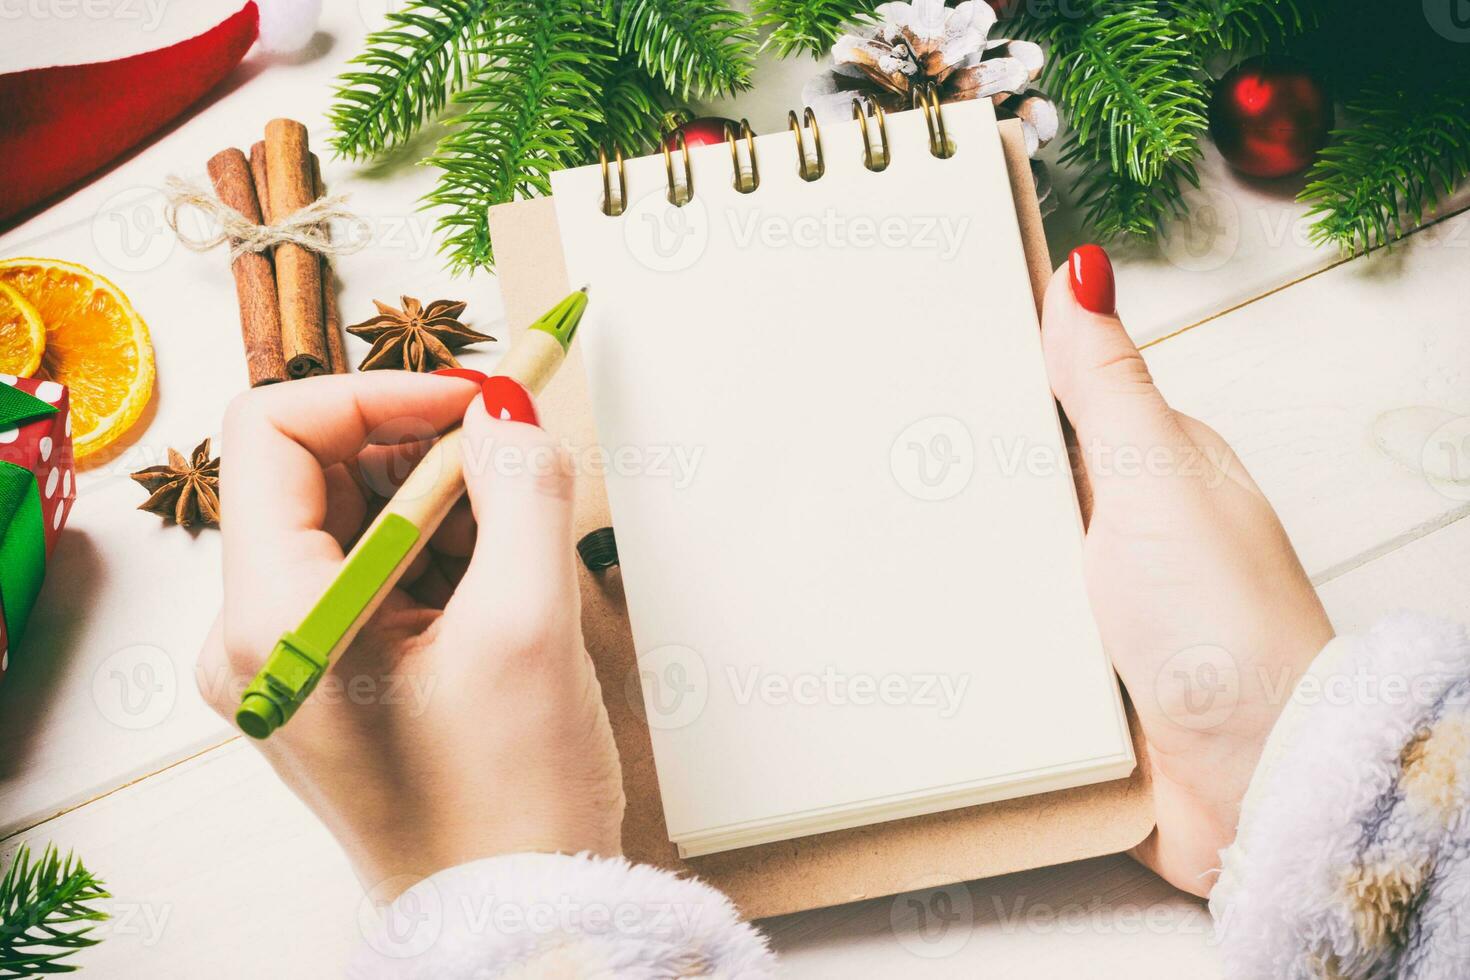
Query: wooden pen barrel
(437, 482)
(533, 360)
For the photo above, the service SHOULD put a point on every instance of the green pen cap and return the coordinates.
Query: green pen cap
(561, 320)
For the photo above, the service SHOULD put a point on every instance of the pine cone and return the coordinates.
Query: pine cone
(924, 42)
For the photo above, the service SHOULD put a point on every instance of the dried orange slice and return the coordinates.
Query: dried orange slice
(96, 345)
(22, 335)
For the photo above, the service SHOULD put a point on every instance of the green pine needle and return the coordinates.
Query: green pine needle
(409, 72)
(1116, 205)
(808, 26)
(541, 85)
(526, 114)
(1131, 88)
(1378, 178)
(46, 913)
(695, 48)
(632, 109)
(1231, 25)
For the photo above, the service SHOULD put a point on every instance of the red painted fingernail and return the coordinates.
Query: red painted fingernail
(1092, 279)
(506, 399)
(478, 377)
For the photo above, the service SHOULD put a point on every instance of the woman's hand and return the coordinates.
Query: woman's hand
(1202, 603)
(465, 720)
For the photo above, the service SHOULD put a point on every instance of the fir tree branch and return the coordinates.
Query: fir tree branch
(632, 109)
(1231, 25)
(1117, 205)
(808, 26)
(413, 67)
(695, 48)
(1376, 179)
(527, 114)
(45, 915)
(1129, 84)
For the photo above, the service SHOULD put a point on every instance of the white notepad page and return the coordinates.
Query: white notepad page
(848, 533)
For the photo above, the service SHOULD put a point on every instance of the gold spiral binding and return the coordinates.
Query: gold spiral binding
(861, 117)
(607, 198)
(674, 197)
(807, 171)
(926, 97)
(732, 136)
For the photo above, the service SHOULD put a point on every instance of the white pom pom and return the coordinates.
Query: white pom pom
(287, 25)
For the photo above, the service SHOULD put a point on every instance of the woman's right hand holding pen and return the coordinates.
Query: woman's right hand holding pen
(465, 720)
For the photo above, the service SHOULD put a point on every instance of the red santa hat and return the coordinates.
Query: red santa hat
(63, 122)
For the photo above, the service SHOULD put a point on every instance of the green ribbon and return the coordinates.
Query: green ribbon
(22, 528)
(19, 407)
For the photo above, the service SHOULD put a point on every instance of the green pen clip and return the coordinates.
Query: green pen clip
(299, 659)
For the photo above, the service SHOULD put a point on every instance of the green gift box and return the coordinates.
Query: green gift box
(37, 490)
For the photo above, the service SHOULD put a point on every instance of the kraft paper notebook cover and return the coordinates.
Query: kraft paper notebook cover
(876, 858)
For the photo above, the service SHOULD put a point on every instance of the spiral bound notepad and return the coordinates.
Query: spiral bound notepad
(848, 532)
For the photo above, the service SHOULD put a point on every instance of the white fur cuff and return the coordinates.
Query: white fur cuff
(553, 915)
(1352, 858)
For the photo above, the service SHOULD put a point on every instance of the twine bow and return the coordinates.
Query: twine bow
(306, 227)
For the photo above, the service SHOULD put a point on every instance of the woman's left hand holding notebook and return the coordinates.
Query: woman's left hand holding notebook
(465, 720)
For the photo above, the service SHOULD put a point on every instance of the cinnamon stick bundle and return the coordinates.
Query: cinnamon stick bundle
(255, 281)
(298, 269)
(262, 187)
(331, 315)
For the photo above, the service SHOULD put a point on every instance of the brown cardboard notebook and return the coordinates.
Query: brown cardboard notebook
(825, 869)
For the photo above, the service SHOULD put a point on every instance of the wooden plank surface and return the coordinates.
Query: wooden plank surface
(1430, 574)
(215, 870)
(1239, 240)
(198, 854)
(214, 864)
(1335, 390)
(1329, 390)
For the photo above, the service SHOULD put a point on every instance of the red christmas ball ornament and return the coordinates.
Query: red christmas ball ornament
(1269, 116)
(701, 132)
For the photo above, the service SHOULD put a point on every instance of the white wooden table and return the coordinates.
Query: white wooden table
(1345, 387)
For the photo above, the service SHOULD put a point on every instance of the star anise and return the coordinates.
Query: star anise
(186, 490)
(417, 337)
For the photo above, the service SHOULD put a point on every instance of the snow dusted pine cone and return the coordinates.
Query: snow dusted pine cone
(924, 42)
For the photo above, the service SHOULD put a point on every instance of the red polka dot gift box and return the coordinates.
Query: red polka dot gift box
(37, 488)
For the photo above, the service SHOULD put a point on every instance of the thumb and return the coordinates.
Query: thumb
(519, 482)
(1096, 371)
